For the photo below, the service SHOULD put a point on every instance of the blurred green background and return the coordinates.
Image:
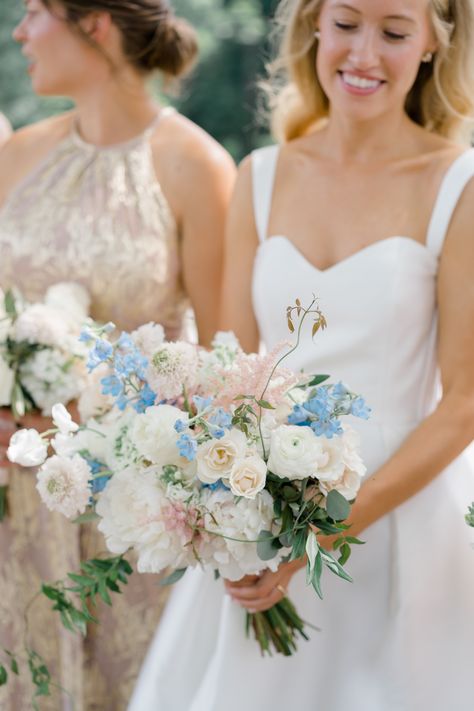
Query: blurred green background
(221, 94)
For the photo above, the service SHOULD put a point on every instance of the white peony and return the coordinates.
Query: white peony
(295, 452)
(63, 485)
(27, 448)
(215, 458)
(240, 522)
(154, 435)
(149, 338)
(63, 420)
(172, 368)
(348, 485)
(7, 378)
(248, 476)
(69, 297)
(137, 512)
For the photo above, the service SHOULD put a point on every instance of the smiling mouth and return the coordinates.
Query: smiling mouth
(360, 83)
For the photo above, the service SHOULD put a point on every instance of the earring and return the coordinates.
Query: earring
(317, 34)
(427, 57)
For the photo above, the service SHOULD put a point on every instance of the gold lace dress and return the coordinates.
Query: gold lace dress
(96, 216)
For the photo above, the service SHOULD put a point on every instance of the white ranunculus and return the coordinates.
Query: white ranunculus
(295, 452)
(148, 338)
(43, 324)
(154, 435)
(70, 297)
(7, 378)
(215, 458)
(27, 448)
(248, 476)
(63, 484)
(63, 420)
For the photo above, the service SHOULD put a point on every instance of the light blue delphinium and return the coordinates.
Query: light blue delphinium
(146, 399)
(187, 447)
(101, 352)
(180, 425)
(111, 385)
(202, 403)
(359, 408)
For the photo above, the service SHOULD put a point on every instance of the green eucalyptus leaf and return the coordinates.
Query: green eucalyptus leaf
(10, 306)
(174, 577)
(317, 380)
(266, 548)
(337, 506)
(331, 563)
(312, 550)
(316, 579)
(265, 404)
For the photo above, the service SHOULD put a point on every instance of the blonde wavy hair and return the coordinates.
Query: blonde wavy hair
(441, 99)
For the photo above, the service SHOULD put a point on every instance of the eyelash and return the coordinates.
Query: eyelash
(392, 36)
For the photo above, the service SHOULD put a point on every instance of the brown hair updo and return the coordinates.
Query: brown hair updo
(152, 36)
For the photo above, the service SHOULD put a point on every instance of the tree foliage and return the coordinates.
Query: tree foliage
(221, 94)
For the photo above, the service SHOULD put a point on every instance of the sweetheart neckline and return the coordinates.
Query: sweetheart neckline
(350, 257)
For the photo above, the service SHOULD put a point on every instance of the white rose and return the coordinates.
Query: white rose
(63, 485)
(27, 448)
(295, 452)
(69, 297)
(216, 457)
(154, 435)
(63, 420)
(248, 476)
(348, 485)
(333, 467)
(6, 383)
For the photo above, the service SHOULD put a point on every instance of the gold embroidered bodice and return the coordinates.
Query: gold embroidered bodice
(97, 215)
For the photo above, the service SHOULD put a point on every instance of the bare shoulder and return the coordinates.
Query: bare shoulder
(184, 151)
(27, 147)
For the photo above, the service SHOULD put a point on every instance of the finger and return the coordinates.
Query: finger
(246, 581)
(261, 589)
(262, 604)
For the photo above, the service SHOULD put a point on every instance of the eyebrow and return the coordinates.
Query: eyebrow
(344, 6)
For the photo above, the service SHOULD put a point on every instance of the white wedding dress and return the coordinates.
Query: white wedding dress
(401, 637)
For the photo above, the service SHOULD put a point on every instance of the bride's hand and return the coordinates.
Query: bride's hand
(258, 593)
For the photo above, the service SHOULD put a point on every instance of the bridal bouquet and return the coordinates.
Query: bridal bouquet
(217, 459)
(42, 361)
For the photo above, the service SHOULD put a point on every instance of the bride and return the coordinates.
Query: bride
(367, 202)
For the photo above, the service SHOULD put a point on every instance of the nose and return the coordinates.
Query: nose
(19, 33)
(364, 53)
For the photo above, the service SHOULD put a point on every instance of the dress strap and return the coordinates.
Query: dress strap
(264, 161)
(455, 180)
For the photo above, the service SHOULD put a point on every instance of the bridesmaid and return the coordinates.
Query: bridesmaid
(128, 199)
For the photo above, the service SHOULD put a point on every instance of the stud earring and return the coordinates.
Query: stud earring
(427, 57)
(317, 34)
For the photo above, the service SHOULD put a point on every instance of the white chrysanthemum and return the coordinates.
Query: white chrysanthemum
(149, 338)
(51, 376)
(242, 520)
(69, 297)
(63, 485)
(138, 512)
(154, 435)
(7, 378)
(45, 325)
(172, 368)
(27, 448)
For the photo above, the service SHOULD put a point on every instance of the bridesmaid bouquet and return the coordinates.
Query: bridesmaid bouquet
(217, 459)
(42, 361)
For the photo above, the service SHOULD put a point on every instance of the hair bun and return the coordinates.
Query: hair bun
(174, 47)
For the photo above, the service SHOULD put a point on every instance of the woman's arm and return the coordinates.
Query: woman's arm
(197, 176)
(442, 436)
(240, 248)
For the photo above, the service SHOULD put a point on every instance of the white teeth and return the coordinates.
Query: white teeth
(360, 82)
